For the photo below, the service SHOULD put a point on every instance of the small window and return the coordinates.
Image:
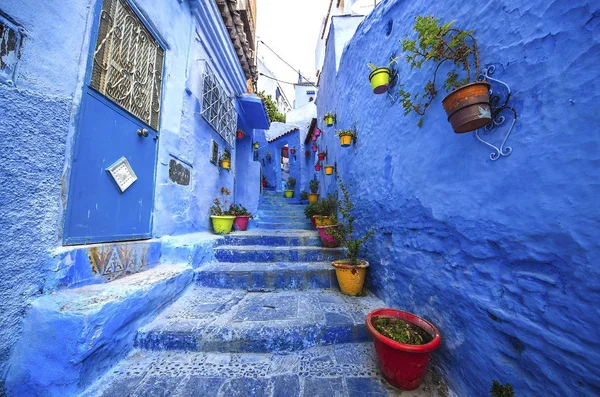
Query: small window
(11, 39)
(214, 152)
(217, 107)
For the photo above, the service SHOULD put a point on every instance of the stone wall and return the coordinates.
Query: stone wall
(501, 255)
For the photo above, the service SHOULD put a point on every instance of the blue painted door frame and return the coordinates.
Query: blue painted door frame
(97, 211)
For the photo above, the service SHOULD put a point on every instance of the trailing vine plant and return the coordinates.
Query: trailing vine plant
(439, 43)
(500, 390)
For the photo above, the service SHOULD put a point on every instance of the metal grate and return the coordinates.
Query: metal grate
(217, 107)
(11, 38)
(128, 62)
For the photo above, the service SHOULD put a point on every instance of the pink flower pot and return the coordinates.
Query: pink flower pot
(328, 240)
(241, 223)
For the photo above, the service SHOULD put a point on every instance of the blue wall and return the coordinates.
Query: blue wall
(502, 256)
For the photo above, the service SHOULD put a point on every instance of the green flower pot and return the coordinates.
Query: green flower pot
(222, 224)
(328, 121)
(380, 80)
(288, 193)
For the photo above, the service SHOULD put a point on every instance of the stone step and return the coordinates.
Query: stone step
(273, 238)
(299, 218)
(238, 321)
(267, 275)
(261, 253)
(284, 212)
(305, 225)
(285, 207)
(342, 370)
(72, 336)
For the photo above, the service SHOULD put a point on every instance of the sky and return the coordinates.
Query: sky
(291, 28)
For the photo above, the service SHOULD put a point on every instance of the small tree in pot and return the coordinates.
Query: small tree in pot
(291, 184)
(351, 271)
(313, 185)
(468, 104)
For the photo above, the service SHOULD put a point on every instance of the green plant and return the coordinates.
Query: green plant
(304, 195)
(311, 209)
(313, 185)
(291, 183)
(399, 330)
(324, 207)
(373, 67)
(499, 390)
(351, 133)
(345, 233)
(226, 156)
(239, 210)
(439, 43)
(328, 115)
(220, 208)
(274, 114)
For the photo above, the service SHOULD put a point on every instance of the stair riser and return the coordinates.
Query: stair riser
(272, 241)
(265, 340)
(316, 255)
(281, 214)
(284, 226)
(288, 208)
(268, 280)
(281, 219)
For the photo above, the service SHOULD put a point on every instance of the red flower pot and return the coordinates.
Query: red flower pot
(403, 365)
(314, 138)
(314, 148)
(317, 167)
(328, 240)
(307, 154)
(321, 156)
(313, 222)
(264, 183)
(240, 134)
(241, 223)
(293, 151)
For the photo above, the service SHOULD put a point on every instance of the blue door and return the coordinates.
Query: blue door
(111, 190)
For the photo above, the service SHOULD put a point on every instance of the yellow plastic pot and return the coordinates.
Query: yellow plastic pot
(322, 220)
(329, 121)
(345, 140)
(222, 224)
(380, 80)
(226, 164)
(328, 169)
(288, 193)
(313, 197)
(351, 278)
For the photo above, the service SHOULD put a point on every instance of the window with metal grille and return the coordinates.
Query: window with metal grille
(217, 107)
(11, 38)
(128, 62)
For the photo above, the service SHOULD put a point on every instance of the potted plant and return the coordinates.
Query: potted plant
(351, 271)
(313, 185)
(291, 184)
(329, 119)
(240, 134)
(242, 216)
(303, 196)
(404, 344)
(322, 156)
(321, 211)
(468, 103)
(226, 160)
(327, 233)
(314, 148)
(380, 77)
(318, 167)
(264, 181)
(329, 169)
(346, 137)
(222, 219)
(306, 154)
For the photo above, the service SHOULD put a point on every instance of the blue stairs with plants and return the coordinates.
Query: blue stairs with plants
(265, 319)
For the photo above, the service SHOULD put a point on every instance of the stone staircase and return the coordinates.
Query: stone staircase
(265, 319)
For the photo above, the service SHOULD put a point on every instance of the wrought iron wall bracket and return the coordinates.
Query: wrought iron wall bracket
(500, 111)
(393, 94)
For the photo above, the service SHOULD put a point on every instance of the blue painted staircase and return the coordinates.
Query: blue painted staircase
(265, 319)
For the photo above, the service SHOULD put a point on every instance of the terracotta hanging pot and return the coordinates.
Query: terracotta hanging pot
(468, 107)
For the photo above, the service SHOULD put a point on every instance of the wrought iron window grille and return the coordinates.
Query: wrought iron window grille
(11, 41)
(217, 106)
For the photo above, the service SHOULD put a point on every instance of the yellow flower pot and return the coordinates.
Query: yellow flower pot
(313, 197)
(222, 224)
(345, 140)
(329, 121)
(322, 220)
(351, 278)
(380, 80)
(288, 193)
(226, 164)
(328, 169)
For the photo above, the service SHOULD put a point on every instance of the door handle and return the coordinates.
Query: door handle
(143, 132)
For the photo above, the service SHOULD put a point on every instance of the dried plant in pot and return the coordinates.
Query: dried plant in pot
(468, 103)
(291, 184)
(350, 272)
(221, 217)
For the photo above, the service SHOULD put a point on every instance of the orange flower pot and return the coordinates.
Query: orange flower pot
(468, 107)
(322, 220)
(313, 197)
(345, 140)
(328, 169)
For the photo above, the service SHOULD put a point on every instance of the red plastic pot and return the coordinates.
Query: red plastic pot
(313, 222)
(314, 138)
(328, 240)
(317, 167)
(307, 154)
(240, 134)
(403, 365)
(241, 223)
(264, 183)
(321, 156)
(314, 148)
(293, 151)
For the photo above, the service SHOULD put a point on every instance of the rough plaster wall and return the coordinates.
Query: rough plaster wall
(501, 256)
(35, 125)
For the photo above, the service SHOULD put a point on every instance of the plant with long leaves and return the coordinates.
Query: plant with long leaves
(221, 208)
(313, 185)
(344, 233)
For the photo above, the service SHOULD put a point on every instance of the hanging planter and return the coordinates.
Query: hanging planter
(240, 134)
(322, 156)
(314, 138)
(293, 150)
(468, 104)
(314, 148)
(405, 362)
(329, 169)
(318, 167)
(380, 77)
(329, 119)
(226, 160)
(317, 132)
(306, 153)
(346, 137)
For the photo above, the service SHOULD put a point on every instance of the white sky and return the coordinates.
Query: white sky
(291, 28)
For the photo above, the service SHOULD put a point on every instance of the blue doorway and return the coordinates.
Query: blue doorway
(111, 189)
